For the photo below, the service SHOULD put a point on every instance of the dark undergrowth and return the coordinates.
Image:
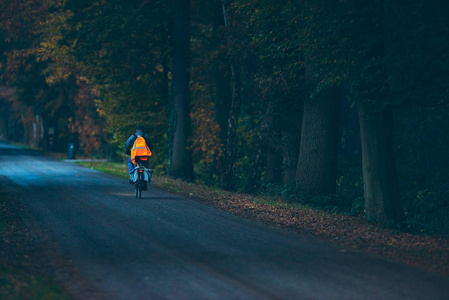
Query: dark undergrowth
(24, 271)
(425, 207)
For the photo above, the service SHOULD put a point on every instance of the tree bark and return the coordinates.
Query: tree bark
(317, 162)
(231, 143)
(290, 139)
(290, 154)
(271, 129)
(181, 158)
(223, 92)
(4, 117)
(228, 179)
(223, 101)
(273, 168)
(255, 173)
(380, 184)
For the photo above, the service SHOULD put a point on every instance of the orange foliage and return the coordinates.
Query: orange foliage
(87, 122)
(205, 139)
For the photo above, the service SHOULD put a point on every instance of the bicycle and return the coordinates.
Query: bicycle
(141, 177)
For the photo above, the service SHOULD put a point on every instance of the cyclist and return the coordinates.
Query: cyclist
(137, 153)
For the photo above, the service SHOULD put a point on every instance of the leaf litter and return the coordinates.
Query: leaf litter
(351, 232)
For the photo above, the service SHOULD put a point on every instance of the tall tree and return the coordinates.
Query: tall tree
(223, 92)
(290, 133)
(273, 144)
(228, 180)
(382, 201)
(317, 162)
(277, 43)
(181, 158)
(22, 24)
(122, 49)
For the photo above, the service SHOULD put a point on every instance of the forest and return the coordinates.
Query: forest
(341, 105)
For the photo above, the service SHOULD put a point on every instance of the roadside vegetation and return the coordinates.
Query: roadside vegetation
(24, 272)
(16, 283)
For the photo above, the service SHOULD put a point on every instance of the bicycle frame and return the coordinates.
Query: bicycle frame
(141, 184)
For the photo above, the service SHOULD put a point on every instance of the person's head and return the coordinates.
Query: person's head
(139, 127)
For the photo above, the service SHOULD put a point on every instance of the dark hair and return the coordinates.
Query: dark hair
(139, 127)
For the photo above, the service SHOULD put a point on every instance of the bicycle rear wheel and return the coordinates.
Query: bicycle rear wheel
(139, 185)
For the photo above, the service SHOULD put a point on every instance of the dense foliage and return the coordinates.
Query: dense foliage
(264, 76)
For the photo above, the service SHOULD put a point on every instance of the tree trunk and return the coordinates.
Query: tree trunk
(181, 157)
(273, 168)
(255, 173)
(3, 125)
(165, 85)
(271, 129)
(223, 101)
(223, 92)
(231, 143)
(290, 139)
(228, 180)
(290, 154)
(379, 170)
(317, 163)
(380, 183)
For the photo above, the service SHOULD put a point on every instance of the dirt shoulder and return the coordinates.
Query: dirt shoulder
(32, 265)
(354, 233)
(26, 267)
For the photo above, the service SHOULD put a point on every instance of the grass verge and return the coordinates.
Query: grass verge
(116, 169)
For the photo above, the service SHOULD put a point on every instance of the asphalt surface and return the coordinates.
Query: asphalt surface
(167, 247)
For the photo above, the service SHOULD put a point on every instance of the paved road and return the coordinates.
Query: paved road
(167, 247)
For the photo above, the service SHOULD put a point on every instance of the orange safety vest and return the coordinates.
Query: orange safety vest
(140, 149)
